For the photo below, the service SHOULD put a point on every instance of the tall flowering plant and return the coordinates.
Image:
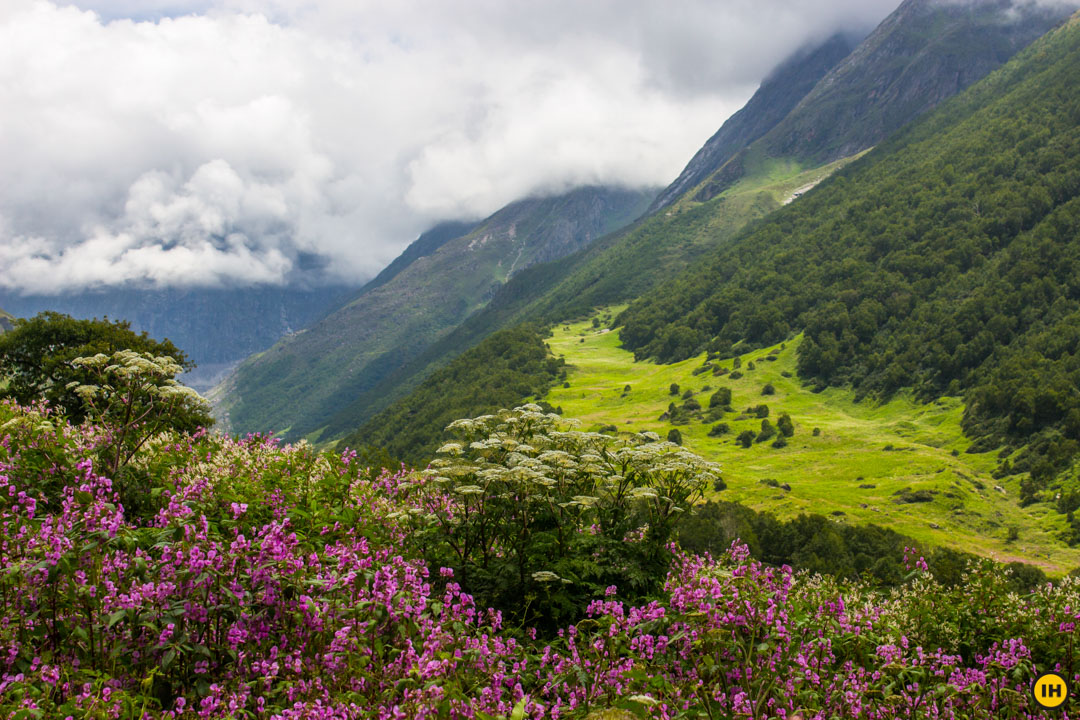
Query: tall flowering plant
(541, 519)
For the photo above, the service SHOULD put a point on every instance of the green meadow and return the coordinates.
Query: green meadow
(864, 461)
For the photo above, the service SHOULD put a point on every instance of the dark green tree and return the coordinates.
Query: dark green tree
(36, 360)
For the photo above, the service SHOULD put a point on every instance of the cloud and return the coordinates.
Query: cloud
(191, 142)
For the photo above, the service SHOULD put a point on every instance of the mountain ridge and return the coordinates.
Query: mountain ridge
(303, 380)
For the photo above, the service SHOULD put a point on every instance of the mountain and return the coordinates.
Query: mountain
(6, 321)
(924, 52)
(944, 261)
(918, 46)
(303, 380)
(216, 327)
(778, 95)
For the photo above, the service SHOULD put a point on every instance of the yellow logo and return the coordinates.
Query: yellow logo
(1050, 690)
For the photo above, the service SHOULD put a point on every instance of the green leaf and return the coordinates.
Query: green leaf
(518, 713)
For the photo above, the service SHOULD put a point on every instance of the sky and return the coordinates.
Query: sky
(225, 142)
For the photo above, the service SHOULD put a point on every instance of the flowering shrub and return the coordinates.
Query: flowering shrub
(278, 582)
(544, 519)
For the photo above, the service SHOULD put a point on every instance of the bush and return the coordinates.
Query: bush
(691, 405)
(761, 411)
(688, 394)
(720, 398)
(674, 389)
(767, 431)
(674, 436)
(768, 389)
(533, 492)
(718, 430)
(780, 441)
(784, 425)
(746, 438)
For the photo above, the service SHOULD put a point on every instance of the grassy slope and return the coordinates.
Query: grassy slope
(824, 472)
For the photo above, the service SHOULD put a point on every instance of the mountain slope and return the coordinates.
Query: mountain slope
(6, 321)
(924, 52)
(946, 260)
(298, 384)
(549, 291)
(427, 244)
(779, 93)
(626, 264)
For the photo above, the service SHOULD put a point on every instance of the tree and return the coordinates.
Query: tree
(784, 425)
(36, 360)
(674, 389)
(746, 438)
(674, 436)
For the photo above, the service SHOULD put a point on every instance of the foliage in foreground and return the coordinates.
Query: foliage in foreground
(546, 519)
(277, 582)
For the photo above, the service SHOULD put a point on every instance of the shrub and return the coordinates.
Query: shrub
(674, 389)
(674, 436)
(688, 394)
(784, 425)
(718, 430)
(746, 438)
(767, 431)
(761, 411)
(720, 398)
(768, 389)
(525, 497)
(780, 441)
(735, 375)
(691, 405)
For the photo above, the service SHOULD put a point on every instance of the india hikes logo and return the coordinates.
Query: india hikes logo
(1050, 690)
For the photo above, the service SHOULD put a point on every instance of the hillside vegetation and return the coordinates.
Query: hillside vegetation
(900, 464)
(943, 261)
(811, 110)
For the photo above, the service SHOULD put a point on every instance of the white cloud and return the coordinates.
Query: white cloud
(200, 142)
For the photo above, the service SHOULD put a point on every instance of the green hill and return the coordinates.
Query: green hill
(944, 261)
(922, 54)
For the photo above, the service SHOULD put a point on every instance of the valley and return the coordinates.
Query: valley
(899, 446)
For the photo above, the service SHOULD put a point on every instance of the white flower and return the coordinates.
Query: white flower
(545, 576)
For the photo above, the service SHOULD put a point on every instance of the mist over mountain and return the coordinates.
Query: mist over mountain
(924, 52)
